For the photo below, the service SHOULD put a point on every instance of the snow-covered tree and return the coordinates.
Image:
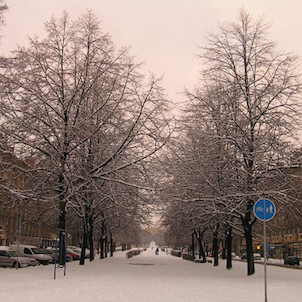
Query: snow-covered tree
(74, 104)
(258, 89)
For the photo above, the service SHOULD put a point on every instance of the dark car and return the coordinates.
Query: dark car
(291, 260)
(243, 256)
(257, 256)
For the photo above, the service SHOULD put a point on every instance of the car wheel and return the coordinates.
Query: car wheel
(16, 264)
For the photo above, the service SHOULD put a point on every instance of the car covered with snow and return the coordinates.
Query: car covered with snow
(32, 252)
(257, 256)
(11, 259)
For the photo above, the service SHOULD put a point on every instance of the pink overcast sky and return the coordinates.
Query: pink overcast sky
(164, 34)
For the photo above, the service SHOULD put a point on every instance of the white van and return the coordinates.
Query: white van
(10, 258)
(31, 251)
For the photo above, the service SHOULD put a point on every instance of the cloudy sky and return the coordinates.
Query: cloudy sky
(164, 34)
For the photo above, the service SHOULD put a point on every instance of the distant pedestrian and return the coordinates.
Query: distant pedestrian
(156, 251)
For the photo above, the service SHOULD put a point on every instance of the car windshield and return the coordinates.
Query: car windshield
(37, 251)
(13, 253)
(48, 252)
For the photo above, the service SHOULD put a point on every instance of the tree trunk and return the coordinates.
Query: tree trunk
(102, 247)
(247, 226)
(249, 251)
(111, 245)
(229, 247)
(102, 241)
(223, 253)
(201, 253)
(106, 247)
(84, 246)
(90, 239)
(62, 222)
(215, 247)
(193, 246)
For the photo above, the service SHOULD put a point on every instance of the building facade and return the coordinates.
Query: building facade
(15, 214)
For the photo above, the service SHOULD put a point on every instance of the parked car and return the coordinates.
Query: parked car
(168, 251)
(163, 248)
(52, 253)
(257, 256)
(11, 259)
(291, 260)
(78, 250)
(243, 256)
(73, 254)
(31, 251)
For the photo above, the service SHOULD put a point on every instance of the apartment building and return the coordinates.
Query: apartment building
(15, 219)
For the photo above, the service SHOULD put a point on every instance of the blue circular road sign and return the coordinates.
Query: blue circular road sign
(264, 209)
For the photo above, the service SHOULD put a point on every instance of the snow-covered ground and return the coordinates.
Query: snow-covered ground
(148, 277)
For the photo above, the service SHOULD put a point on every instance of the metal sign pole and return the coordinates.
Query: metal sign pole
(61, 235)
(65, 254)
(19, 235)
(264, 210)
(265, 275)
(55, 268)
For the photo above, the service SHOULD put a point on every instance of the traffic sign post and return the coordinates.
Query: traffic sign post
(264, 210)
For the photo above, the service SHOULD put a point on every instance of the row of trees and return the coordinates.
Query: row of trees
(236, 137)
(93, 126)
(91, 123)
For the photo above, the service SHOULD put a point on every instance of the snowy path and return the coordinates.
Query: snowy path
(147, 278)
